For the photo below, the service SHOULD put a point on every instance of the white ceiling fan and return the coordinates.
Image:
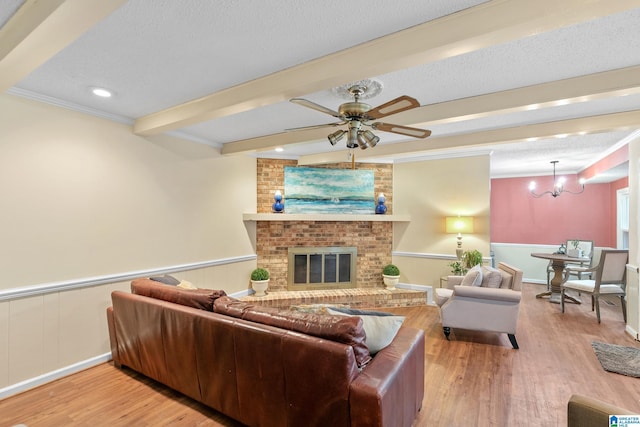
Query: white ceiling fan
(358, 115)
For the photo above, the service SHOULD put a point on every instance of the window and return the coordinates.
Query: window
(623, 219)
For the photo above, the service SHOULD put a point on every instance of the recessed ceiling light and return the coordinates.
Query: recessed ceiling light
(279, 149)
(102, 92)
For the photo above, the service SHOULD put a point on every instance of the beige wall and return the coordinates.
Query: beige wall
(429, 191)
(83, 197)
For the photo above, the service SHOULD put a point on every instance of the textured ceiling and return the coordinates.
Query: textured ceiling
(159, 54)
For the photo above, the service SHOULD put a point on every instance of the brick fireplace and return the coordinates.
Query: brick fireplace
(373, 239)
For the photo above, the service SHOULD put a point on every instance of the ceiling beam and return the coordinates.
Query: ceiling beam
(26, 19)
(607, 84)
(585, 125)
(620, 82)
(469, 30)
(40, 29)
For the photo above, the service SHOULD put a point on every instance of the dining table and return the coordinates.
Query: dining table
(558, 263)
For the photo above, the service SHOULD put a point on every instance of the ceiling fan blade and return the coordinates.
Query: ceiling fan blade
(314, 106)
(401, 103)
(315, 126)
(402, 130)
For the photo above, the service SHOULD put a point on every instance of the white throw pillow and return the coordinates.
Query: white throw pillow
(473, 277)
(380, 328)
(186, 285)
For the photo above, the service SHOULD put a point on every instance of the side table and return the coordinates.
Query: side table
(443, 281)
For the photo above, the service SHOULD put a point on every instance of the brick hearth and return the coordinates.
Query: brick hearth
(355, 298)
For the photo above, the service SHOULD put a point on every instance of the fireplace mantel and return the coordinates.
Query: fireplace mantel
(323, 217)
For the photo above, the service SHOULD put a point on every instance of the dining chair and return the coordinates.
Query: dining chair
(609, 279)
(580, 269)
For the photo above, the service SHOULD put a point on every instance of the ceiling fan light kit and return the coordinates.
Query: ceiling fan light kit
(336, 136)
(368, 138)
(357, 114)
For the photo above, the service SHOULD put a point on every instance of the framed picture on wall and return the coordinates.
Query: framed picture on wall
(322, 190)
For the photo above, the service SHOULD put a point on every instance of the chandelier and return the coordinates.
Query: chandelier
(558, 185)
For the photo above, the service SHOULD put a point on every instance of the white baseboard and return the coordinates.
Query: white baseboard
(634, 334)
(53, 375)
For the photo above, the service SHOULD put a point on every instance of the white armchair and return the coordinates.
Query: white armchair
(482, 308)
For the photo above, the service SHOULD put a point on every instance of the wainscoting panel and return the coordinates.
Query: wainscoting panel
(519, 255)
(52, 330)
(4, 343)
(421, 268)
(427, 269)
(26, 338)
(54, 333)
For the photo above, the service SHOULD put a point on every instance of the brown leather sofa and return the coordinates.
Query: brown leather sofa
(282, 368)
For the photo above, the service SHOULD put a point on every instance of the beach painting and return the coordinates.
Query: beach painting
(328, 191)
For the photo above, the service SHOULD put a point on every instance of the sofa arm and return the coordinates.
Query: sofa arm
(454, 281)
(585, 411)
(112, 338)
(495, 294)
(389, 391)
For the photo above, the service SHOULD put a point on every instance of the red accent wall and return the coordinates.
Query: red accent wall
(518, 217)
(618, 157)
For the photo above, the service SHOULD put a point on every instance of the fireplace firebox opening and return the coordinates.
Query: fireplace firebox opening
(312, 268)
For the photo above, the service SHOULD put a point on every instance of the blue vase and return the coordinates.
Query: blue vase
(278, 206)
(380, 207)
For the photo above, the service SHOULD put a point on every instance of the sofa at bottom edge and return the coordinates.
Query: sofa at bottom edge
(260, 374)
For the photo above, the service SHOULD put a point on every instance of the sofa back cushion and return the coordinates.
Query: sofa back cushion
(343, 329)
(197, 298)
(491, 277)
(473, 277)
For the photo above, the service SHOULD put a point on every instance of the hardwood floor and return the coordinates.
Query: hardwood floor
(476, 379)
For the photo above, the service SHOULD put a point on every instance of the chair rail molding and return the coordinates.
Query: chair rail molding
(447, 257)
(46, 288)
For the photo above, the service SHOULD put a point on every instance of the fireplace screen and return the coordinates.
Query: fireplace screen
(322, 268)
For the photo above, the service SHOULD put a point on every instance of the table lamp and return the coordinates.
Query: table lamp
(459, 225)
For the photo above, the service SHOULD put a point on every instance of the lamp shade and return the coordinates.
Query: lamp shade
(459, 224)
